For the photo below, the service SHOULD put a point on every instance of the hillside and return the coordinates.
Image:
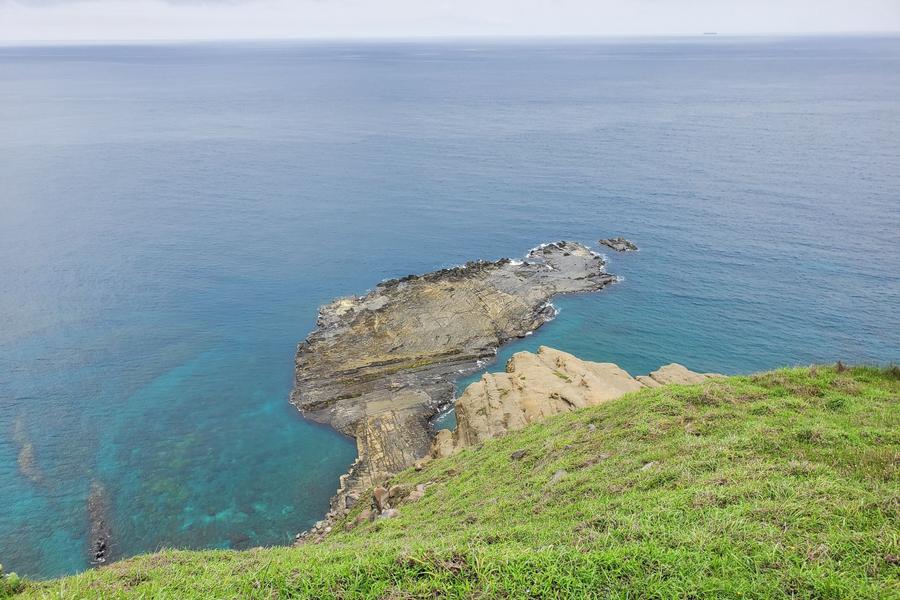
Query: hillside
(783, 484)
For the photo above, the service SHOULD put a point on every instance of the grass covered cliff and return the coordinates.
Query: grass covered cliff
(782, 484)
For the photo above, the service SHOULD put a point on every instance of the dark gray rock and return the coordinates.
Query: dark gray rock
(100, 532)
(619, 244)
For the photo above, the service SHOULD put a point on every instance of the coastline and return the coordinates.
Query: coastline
(381, 366)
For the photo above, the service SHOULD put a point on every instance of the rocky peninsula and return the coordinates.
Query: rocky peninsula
(378, 367)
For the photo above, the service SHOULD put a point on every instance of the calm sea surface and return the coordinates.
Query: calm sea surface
(171, 217)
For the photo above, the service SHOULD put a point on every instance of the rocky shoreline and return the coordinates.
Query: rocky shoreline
(379, 367)
(537, 386)
(534, 387)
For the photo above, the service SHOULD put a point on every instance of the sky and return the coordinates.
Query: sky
(111, 20)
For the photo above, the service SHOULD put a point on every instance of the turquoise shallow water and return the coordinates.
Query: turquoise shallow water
(171, 217)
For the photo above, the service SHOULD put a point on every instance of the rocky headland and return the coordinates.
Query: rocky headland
(378, 367)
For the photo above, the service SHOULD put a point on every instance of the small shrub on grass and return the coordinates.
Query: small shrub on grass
(9, 584)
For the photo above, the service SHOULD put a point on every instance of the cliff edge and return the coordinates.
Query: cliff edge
(539, 385)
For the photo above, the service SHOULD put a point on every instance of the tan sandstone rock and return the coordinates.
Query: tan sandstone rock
(537, 386)
(380, 497)
(675, 373)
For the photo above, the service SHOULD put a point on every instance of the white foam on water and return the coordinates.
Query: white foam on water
(553, 306)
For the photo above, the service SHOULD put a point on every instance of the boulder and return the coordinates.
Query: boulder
(380, 497)
(398, 492)
(443, 444)
(679, 374)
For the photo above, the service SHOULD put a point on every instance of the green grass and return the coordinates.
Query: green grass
(783, 484)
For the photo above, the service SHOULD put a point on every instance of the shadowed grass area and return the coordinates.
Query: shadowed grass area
(782, 484)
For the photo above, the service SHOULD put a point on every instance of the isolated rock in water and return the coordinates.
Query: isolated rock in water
(378, 367)
(619, 244)
(537, 386)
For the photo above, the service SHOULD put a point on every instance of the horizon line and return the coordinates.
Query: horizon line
(441, 38)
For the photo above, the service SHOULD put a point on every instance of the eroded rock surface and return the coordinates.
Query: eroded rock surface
(378, 367)
(538, 386)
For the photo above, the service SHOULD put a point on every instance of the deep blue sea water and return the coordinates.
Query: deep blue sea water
(171, 217)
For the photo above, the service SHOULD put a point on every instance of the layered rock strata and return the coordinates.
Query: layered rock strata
(538, 386)
(378, 367)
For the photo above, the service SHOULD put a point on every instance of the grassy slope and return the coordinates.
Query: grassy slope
(781, 484)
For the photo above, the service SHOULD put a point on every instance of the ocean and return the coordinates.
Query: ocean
(171, 217)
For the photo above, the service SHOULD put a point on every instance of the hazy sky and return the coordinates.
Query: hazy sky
(31, 20)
